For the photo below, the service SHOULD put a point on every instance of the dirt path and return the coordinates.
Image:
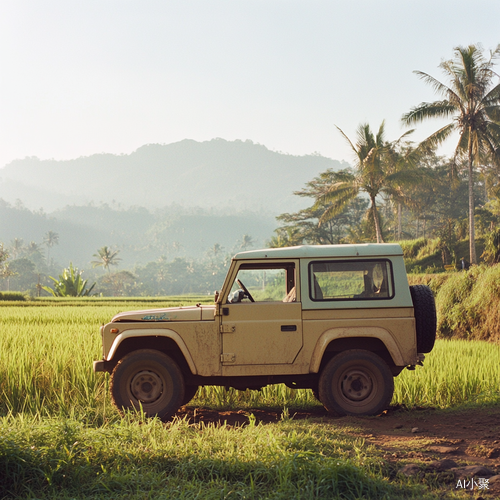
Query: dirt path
(421, 436)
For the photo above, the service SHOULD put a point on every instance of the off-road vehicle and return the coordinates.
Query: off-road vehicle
(338, 319)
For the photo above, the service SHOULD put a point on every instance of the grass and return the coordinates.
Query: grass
(456, 373)
(12, 296)
(60, 437)
(468, 304)
(424, 255)
(47, 354)
(132, 458)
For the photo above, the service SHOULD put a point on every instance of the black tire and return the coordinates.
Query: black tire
(356, 382)
(424, 308)
(150, 380)
(189, 393)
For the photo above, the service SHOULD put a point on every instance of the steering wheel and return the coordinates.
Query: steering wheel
(244, 288)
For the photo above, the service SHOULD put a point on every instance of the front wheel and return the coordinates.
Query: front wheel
(150, 380)
(356, 382)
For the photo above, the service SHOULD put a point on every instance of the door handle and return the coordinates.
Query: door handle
(288, 328)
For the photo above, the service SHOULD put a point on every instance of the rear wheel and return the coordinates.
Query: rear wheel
(356, 382)
(425, 317)
(150, 380)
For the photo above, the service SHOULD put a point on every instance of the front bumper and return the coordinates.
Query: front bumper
(100, 366)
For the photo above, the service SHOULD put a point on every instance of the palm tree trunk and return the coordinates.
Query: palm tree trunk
(472, 238)
(377, 222)
(399, 221)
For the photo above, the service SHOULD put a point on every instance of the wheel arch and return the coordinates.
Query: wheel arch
(166, 341)
(375, 339)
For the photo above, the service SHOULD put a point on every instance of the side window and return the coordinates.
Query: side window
(351, 280)
(263, 284)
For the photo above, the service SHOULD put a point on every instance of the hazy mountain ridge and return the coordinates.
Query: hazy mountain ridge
(140, 235)
(235, 175)
(175, 200)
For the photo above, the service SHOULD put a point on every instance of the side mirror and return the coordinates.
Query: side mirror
(216, 297)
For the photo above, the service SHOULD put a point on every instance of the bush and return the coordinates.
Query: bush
(412, 247)
(434, 281)
(12, 296)
(468, 304)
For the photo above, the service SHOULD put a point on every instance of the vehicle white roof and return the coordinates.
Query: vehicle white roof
(322, 251)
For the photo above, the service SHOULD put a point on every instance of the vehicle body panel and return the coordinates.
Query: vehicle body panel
(277, 337)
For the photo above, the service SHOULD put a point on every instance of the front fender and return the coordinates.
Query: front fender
(337, 333)
(156, 332)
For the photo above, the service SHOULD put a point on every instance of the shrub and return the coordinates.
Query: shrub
(468, 304)
(412, 247)
(12, 296)
(434, 281)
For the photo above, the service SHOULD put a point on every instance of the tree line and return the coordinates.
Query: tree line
(406, 187)
(32, 273)
(396, 190)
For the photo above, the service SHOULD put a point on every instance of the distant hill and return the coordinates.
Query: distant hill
(140, 235)
(232, 175)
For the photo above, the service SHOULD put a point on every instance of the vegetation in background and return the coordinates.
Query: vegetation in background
(468, 304)
(12, 296)
(50, 239)
(106, 258)
(303, 226)
(472, 100)
(380, 169)
(69, 284)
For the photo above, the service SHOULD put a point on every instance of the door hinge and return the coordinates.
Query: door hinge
(227, 328)
(227, 357)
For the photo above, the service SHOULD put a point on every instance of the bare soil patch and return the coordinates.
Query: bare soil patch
(419, 436)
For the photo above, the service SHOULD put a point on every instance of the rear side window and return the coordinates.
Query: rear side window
(351, 280)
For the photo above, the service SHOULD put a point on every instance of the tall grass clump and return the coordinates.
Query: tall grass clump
(455, 373)
(422, 255)
(433, 281)
(412, 247)
(468, 304)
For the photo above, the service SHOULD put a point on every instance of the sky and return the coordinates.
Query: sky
(79, 78)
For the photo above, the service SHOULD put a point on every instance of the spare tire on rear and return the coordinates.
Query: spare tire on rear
(424, 308)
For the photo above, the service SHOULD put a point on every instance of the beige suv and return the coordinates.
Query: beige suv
(338, 319)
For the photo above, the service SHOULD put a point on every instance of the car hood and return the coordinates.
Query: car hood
(169, 314)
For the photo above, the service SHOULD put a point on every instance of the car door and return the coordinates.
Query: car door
(268, 330)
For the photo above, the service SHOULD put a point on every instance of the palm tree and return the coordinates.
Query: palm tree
(33, 248)
(6, 272)
(17, 246)
(473, 102)
(50, 239)
(246, 242)
(375, 173)
(216, 250)
(287, 236)
(106, 257)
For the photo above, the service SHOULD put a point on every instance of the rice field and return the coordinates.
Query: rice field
(47, 348)
(60, 437)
